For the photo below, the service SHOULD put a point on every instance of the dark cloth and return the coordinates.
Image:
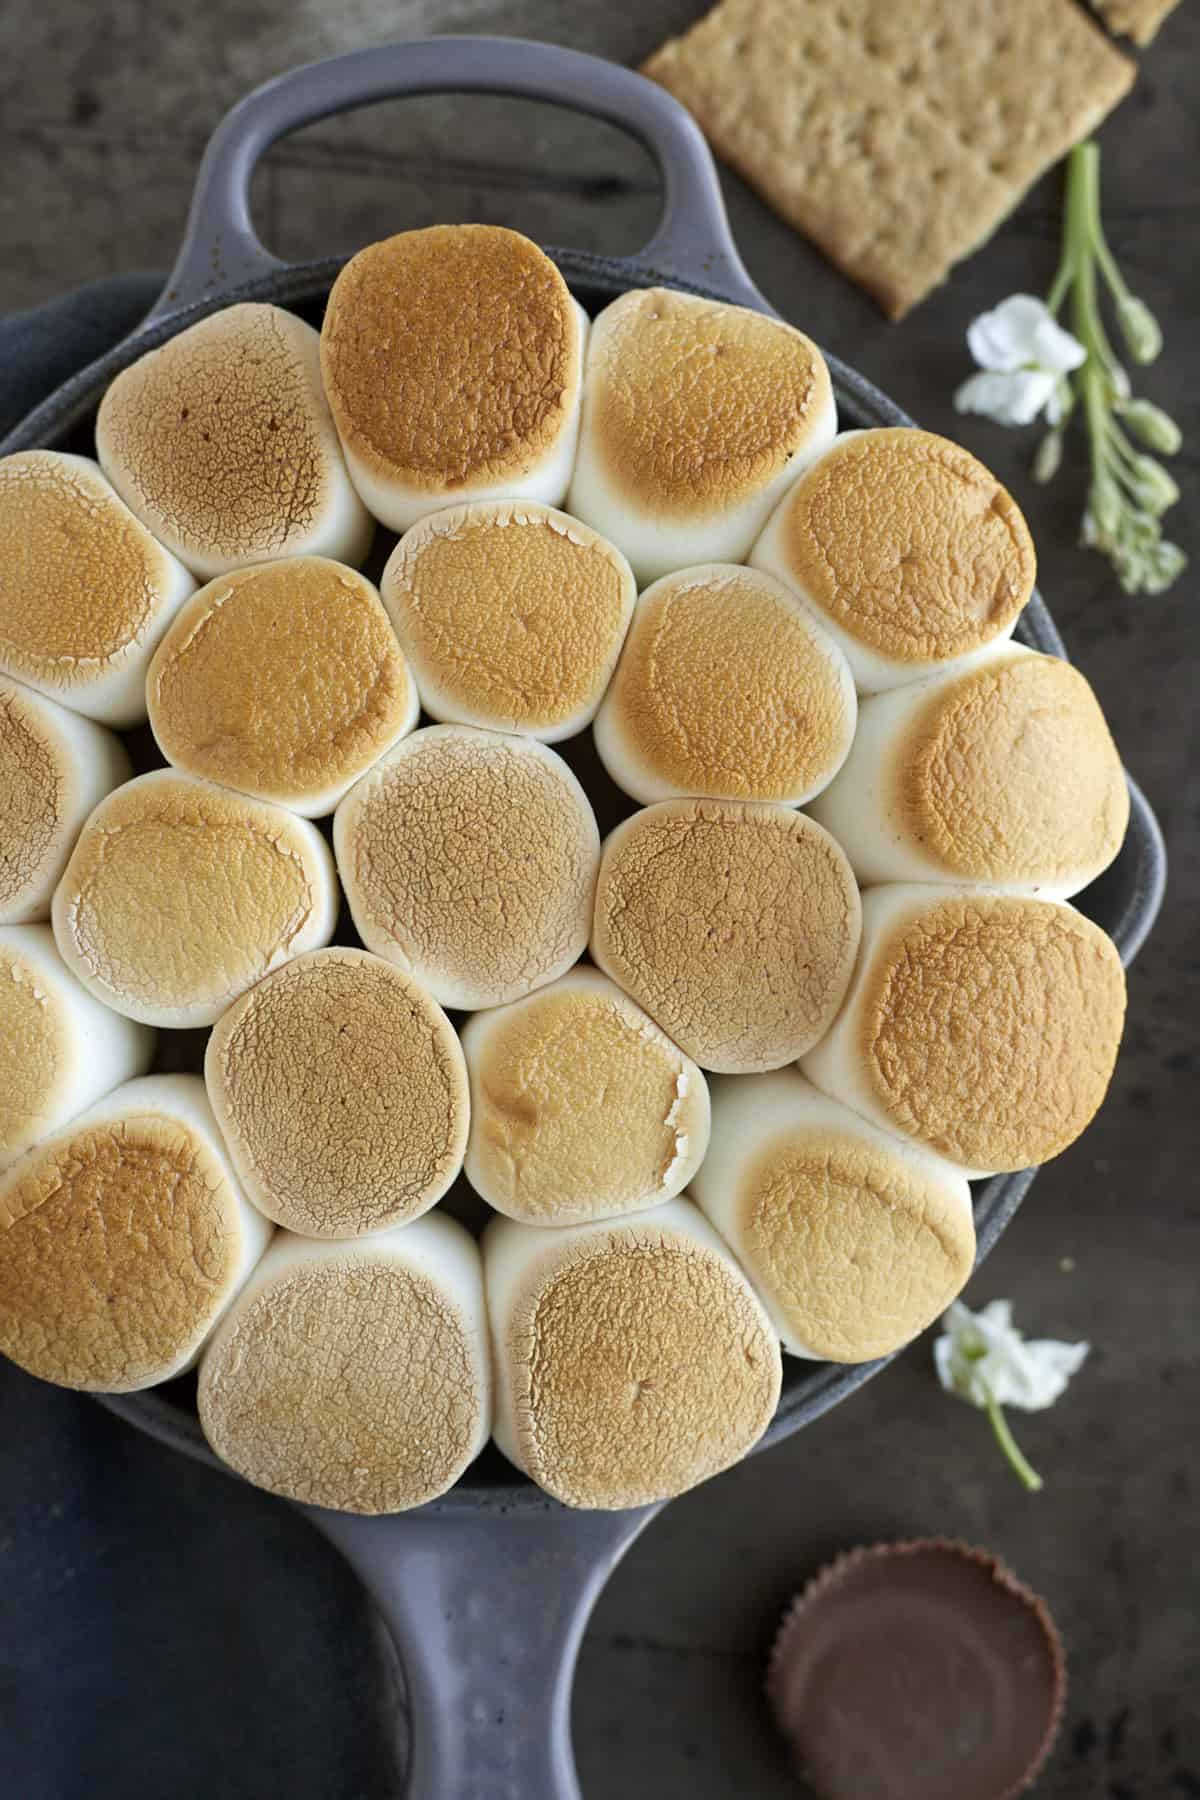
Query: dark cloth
(164, 1631)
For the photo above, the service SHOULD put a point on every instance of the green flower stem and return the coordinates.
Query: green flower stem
(1128, 490)
(1026, 1474)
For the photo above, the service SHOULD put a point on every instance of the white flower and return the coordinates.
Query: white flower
(1024, 356)
(984, 1359)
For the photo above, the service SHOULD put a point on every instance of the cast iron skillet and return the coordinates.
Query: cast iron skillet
(487, 1591)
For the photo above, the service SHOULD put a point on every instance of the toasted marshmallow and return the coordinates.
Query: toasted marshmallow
(581, 1108)
(908, 550)
(123, 1238)
(1004, 775)
(734, 924)
(983, 1026)
(697, 415)
(341, 1090)
(726, 688)
(180, 895)
(854, 1241)
(354, 1376)
(453, 361)
(222, 442)
(284, 681)
(85, 591)
(633, 1359)
(470, 860)
(54, 767)
(59, 1048)
(511, 614)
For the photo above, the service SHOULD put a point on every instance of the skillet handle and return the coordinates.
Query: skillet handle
(487, 1611)
(692, 244)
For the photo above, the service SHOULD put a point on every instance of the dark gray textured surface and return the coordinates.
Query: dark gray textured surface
(667, 1699)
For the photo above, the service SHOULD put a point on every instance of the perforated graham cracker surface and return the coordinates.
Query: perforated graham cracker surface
(897, 137)
(1137, 19)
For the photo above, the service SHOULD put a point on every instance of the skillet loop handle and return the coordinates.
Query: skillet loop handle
(692, 244)
(487, 1612)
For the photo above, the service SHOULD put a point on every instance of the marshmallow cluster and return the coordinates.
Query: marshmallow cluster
(749, 1123)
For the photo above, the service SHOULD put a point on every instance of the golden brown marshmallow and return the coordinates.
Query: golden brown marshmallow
(179, 895)
(696, 417)
(469, 858)
(284, 681)
(908, 551)
(633, 1359)
(221, 441)
(354, 1376)
(854, 1241)
(85, 591)
(123, 1238)
(982, 1026)
(54, 767)
(581, 1108)
(341, 1090)
(734, 925)
(726, 688)
(1004, 774)
(453, 358)
(511, 614)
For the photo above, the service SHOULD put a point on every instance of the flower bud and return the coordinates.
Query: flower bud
(1138, 528)
(1140, 328)
(1154, 426)
(1048, 459)
(1153, 487)
(1117, 384)
(1165, 564)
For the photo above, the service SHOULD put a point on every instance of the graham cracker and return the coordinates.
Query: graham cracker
(1136, 19)
(897, 136)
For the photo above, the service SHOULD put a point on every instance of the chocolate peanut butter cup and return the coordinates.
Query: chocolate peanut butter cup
(918, 1671)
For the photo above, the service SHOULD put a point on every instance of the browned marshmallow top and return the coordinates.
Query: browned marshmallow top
(909, 544)
(695, 404)
(284, 680)
(80, 579)
(352, 1384)
(512, 613)
(450, 355)
(734, 925)
(223, 436)
(33, 783)
(1012, 774)
(342, 1094)
(641, 1366)
(118, 1243)
(990, 1026)
(857, 1249)
(470, 858)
